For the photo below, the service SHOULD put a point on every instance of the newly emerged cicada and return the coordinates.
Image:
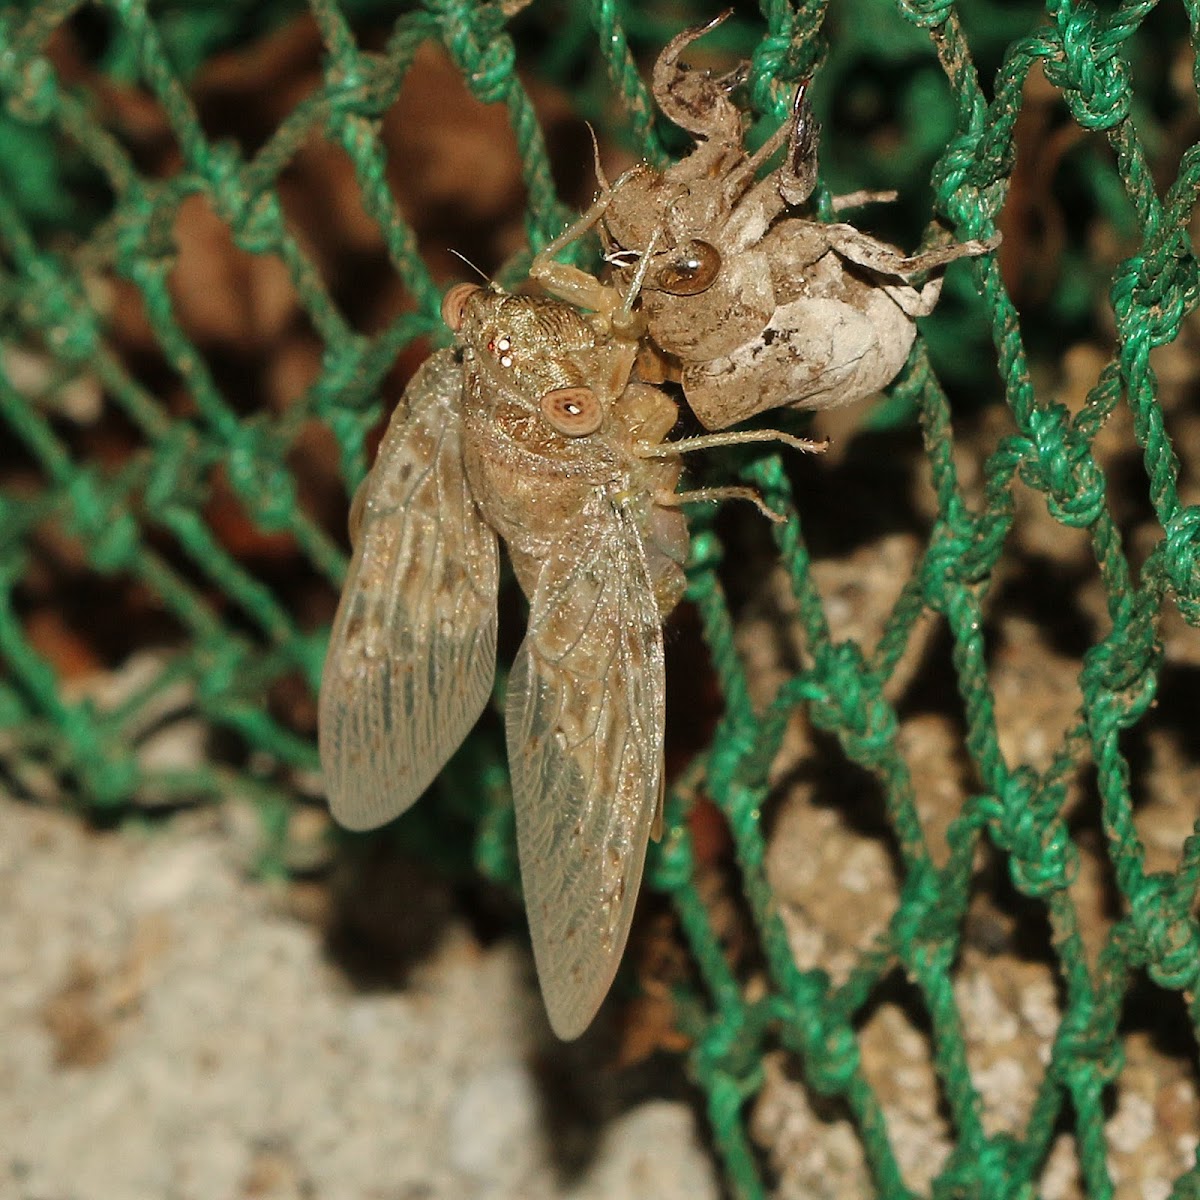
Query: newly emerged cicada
(530, 428)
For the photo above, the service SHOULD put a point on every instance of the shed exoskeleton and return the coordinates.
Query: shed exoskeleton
(760, 307)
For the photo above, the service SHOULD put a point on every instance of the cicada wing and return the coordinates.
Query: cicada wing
(585, 716)
(412, 655)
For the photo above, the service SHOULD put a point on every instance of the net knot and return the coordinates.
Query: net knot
(965, 182)
(1152, 294)
(852, 704)
(1119, 678)
(100, 517)
(1042, 857)
(29, 85)
(778, 61)
(833, 1055)
(488, 62)
(260, 477)
(1085, 65)
(174, 478)
(110, 782)
(927, 14)
(770, 62)
(727, 1053)
(962, 550)
(1180, 547)
(1063, 468)
(146, 249)
(1084, 1046)
(1170, 938)
(221, 659)
(1168, 283)
(70, 321)
(985, 1170)
(493, 72)
(361, 88)
(345, 387)
(254, 217)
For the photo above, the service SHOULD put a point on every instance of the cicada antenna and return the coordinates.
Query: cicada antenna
(601, 178)
(469, 263)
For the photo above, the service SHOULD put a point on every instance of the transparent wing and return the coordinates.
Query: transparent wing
(413, 650)
(585, 743)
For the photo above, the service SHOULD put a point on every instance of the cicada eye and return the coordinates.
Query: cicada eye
(573, 411)
(690, 270)
(455, 301)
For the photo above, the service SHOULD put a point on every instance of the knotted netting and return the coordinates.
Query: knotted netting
(983, 638)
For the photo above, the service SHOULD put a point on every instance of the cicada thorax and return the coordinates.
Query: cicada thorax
(539, 389)
(552, 425)
(529, 482)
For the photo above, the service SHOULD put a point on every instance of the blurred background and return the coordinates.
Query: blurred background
(924, 922)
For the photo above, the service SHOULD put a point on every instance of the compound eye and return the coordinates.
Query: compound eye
(573, 411)
(690, 270)
(454, 302)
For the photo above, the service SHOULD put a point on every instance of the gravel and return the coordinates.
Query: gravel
(170, 1028)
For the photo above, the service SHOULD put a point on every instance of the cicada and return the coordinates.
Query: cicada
(528, 428)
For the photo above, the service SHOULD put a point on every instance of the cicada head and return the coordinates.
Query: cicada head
(521, 341)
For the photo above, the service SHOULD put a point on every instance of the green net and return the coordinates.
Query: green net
(144, 475)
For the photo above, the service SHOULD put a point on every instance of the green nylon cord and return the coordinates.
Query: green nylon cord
(74, 207)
